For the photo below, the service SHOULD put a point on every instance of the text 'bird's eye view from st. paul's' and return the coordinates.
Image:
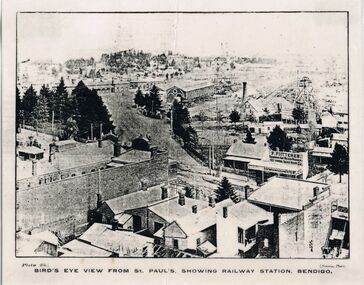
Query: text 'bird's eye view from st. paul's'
(182, 135)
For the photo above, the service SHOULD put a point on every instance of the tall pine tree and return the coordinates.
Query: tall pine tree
(60, 98)
(90, 109)
(278, 139)
(154, 102)
(29, 103)
(40, 112)
(225, 190)
(340, 160)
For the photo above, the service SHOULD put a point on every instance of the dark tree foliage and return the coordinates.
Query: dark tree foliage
(90, 109)
(40, 112)
(234, 116)
(181, 117)
(139, 98)
(60, 98)
(190, 137)
(278, 139)
(19, 110)
(70, 130)
(153, 100)
(189, 193)
(249, 138)
(299, 114)
(50, 97)
(340, 160)
(225, 191)
(29, 103)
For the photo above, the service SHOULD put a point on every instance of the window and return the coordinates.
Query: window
(198, 241)
(265, 243)
(296, 235)
(157, 226)
(240, 235)
(175, 244)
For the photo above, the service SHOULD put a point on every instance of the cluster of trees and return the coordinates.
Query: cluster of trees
(150, 101)
(181, 124)
(73, 113)
(120, 61)
(37, 110)
(74, 64)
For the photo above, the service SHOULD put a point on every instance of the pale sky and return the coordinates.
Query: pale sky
(63, 36)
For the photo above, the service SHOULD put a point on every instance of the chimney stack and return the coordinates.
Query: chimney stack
(246, 191)
(225, 212)
(316, 191)
(181, 199)
(114, 224)
(244, 90)
(117, 149)
(194, 209)
(164, 193)
(212, 201)
(34, 167)
(99, 201)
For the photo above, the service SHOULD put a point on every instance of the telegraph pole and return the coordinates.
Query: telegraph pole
(92, 131)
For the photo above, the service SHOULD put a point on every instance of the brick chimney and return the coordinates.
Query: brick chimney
(114, 224)
(244, 90)
(117, 149)
(164, 193)
(34, 167)
(194, 209)
(212, 201)
(181, 199)
(225, 212)
(316, 191)
(99, 200)
(246, 191)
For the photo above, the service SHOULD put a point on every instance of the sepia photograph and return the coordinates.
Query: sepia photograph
(218, 135)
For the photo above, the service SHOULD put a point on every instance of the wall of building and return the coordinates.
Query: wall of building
(312, 227)
(75, 196)
(152, 218)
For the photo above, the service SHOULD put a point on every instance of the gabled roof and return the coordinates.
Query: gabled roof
(204, 219)
(134, 200)
(191, 85)
(247, 214)
(102, 236)
(31, 150)
(79, 248)
(171, 210)
(291, 194)
(241, 149)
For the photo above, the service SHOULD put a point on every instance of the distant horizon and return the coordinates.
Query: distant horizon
(60, 37)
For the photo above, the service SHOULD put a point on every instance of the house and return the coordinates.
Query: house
(328, 120)
(116, 208)
(260, 162)
(237, 230)
(253, 107)
(301, 215)
(37, 244)
(118, 243)
(30, 153)
(194, 233)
